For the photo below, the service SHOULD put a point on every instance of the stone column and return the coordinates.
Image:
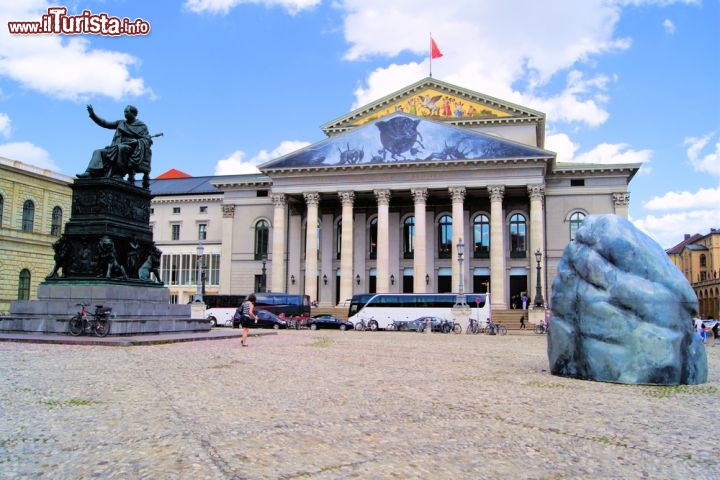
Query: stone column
(346, 255)
(228, 213)
(537, 238)
(312, 200)
(497, 247)
(458, 197)
(277, 256)
(420, 255)
(621, 201)
(383, 241)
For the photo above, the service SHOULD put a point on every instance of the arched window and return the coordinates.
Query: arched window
(262, 232)
(481, 236)
(56, 224)
(338, 239)
(409, 237)
(24, 285)
(518, 233)
(28, 217)
(445, 237)
(372, 240)
(575, 221)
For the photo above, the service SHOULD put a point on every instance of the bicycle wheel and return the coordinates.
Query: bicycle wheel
(75, 325)
(539, 329)
(457, 328)
(360, 327)
(102, 327)
(372, 326)
(501, 330)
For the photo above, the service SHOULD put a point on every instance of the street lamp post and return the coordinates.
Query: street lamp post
(263, 276)
(460, 298)
(539, 302)
(200, 252)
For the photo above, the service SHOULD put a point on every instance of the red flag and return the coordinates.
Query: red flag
(434, 50)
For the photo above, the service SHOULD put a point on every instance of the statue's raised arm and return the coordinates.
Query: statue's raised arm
(129, 151)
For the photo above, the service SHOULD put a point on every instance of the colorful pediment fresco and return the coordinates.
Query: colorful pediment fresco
(404, 138)
(437, 105)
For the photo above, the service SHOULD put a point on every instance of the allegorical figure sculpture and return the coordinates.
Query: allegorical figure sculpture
(62, 257)
(129, 152)
(621, 310)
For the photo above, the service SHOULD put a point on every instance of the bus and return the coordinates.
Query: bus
(219, 309)
(380, 310)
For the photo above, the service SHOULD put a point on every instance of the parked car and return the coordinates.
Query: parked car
(418, 325)
(265, 320)
(328, 321)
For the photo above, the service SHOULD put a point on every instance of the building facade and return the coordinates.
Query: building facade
(34, 206)
(383, 202)
(698, 257)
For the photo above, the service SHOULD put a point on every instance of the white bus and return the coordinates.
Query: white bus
(380, 310)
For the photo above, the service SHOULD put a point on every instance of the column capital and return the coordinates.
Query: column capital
(497, 192)
(312, 198)
(457, 193)
(279, 199)
(228, 211)
(419, 194)
(536, 191)
(347, 198)
(383, 196)
(621, 198)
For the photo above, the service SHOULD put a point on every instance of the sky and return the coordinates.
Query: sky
(232, 84)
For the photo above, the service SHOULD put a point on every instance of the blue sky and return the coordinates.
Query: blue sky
(235, 83)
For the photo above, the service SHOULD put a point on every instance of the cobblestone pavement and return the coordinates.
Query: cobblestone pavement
(337, 405)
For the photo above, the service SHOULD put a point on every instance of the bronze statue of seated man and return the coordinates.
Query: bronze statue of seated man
(129, 151)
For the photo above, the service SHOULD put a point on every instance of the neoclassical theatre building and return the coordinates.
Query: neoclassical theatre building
(382, 203)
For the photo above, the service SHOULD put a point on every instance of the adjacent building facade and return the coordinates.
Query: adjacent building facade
(698, 257)
(34, 206)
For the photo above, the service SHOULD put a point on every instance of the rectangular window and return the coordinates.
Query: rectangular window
(175, 232)
(152, 212)
(203, 209)
(176, 209)
(202, 231)
(578, 182)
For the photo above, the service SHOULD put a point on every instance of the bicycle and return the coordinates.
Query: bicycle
(87, 322)
(446, 326)
(493, 328)
(541, 328)
(473, 326)
(362, 325)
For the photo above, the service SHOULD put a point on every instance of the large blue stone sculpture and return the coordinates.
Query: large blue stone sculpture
(622, 312)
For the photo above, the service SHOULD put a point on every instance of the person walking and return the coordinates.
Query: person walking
(522, 322)
(248, 317)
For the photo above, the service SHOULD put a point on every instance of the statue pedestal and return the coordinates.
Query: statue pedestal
(136, 309)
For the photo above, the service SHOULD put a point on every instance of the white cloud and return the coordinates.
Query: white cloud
(668, 229)
(669, 26)
(703, 162)
(4, 125)
(478, 55)
(236, 164)
(62, 67)
(703, 198)
(28, 153)
(224, 6)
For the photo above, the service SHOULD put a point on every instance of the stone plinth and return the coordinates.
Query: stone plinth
(137, 309)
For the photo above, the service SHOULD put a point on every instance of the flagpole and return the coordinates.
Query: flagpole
(430, 54)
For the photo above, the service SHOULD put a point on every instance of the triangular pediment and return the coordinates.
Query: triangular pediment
(438, 101)
(402, 138)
